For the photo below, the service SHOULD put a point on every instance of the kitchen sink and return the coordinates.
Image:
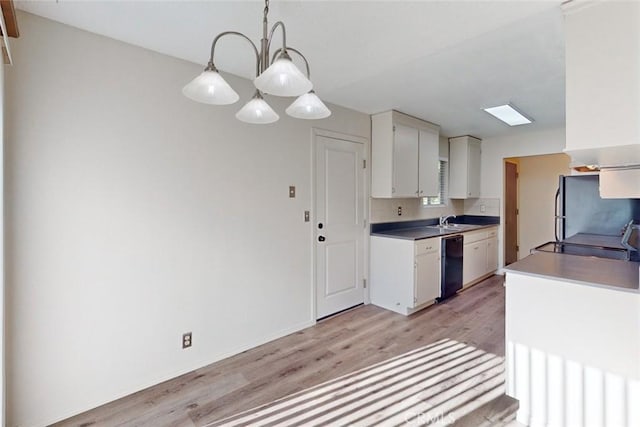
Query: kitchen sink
(460, 226)
(452, 227)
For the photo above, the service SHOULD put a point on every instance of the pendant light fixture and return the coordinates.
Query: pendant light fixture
(257, 111)
(280, 77)
(210, 88)
(308, 106)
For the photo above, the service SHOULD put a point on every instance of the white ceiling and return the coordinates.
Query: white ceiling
(442, 61)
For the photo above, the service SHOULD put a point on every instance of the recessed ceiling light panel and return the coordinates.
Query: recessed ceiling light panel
(508, 114)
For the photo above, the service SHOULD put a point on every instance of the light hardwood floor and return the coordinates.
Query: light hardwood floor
(332, 348)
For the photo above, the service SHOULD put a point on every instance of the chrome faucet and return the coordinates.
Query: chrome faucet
(444, 220)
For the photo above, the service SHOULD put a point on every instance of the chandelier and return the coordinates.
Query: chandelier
(276, 75)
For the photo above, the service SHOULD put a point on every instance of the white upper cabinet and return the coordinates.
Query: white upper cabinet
(428, 180)
(603, 82)
(464, 167)
(405, 161)
(404, 156)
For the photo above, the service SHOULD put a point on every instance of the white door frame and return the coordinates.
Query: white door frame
(315, 133)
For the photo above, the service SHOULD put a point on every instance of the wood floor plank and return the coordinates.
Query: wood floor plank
(335, 347)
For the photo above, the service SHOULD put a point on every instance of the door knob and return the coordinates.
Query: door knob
(321, 239)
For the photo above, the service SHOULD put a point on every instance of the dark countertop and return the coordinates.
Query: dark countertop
(591, 271)
(424, 228)
(424, 232)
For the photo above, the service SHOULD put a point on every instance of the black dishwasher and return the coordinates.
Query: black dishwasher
(451, 269)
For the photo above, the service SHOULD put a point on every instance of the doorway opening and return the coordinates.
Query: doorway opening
(530, 185)
(510, 211)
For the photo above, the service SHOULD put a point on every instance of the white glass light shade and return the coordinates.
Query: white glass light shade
(283, 78)
(257, 111)
(308, 106)
(210, 88)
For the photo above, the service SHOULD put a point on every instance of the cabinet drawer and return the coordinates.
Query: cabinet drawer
(427, 245)
(475, 236)
(492, 232)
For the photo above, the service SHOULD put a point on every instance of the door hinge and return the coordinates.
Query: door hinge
(364, 164)
(517, 248)
(517, 211)
(364, 283)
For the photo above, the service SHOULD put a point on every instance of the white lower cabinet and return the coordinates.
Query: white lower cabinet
(405, 275)
(480, 254)
(492, 254)
(474, 263)
(427, 271)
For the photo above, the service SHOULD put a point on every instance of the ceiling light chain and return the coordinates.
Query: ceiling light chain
(279, 77)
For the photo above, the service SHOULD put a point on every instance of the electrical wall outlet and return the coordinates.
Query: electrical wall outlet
(483, 208)
(399, 210)
(186, 340)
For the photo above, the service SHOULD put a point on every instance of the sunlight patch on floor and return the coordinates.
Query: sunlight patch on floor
(433, 385)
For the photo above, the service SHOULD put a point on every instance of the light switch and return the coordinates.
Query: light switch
(292, 191)
(306, 216)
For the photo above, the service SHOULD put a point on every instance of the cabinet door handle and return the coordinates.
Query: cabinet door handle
(476, 248)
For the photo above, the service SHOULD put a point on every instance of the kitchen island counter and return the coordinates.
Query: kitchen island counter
(572, 329)
(600, 272)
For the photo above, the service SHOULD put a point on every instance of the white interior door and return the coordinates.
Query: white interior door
(339, 227)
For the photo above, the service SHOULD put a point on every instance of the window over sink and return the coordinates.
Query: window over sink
(441, 198)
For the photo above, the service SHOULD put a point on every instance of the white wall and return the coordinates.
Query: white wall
(538, 181)
(495, 150)
(134, 215)
(386, 210)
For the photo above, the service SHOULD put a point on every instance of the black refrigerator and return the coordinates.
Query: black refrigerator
(580, 209)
